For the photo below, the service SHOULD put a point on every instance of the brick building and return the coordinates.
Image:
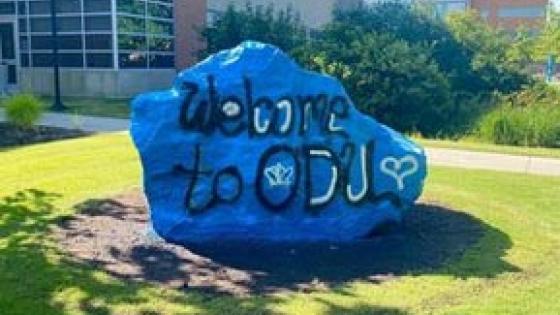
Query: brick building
(506, 14)
(511, 14)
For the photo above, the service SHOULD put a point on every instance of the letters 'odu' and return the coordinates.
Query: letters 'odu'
(247, 145)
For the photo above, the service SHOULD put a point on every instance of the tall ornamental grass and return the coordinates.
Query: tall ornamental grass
(537, 125)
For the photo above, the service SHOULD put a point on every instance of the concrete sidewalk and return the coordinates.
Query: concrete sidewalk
(86, 123)
(494, 161)
(440, 157)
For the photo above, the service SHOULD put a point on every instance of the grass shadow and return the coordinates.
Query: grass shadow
(37, 278)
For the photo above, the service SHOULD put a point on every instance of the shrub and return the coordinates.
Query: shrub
(527, 118)
(23, 110)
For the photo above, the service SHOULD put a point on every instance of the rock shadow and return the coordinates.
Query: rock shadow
(430, 237)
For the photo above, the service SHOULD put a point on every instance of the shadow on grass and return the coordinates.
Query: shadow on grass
(37, 278)
(431, 240)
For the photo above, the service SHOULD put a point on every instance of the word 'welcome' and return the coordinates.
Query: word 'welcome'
(232, 115)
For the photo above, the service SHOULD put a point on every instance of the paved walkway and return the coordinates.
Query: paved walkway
(494, 161)
(441, 157)
(86, 123)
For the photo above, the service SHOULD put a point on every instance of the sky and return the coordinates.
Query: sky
(556, 3)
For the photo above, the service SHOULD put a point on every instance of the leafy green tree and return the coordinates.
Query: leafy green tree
(489, 52)
(387, 77)
(522, 48)
(282, 28)
(549, 40)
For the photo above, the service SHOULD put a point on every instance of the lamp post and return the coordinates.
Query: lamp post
(57, 105)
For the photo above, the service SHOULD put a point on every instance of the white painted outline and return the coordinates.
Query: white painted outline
(279, 175)
(398, 165)
(261, 129)
(332, 122)
(365, 182)
(318, 201)
(287, 106)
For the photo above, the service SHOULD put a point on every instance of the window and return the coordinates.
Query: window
(7, 8)
(522, 12)
(71, 60)
(23, 43)
(445, 7)
(97, 6)
(132, 60)
(65, 42)
(84, 27)
(12, 74)
(39, 7)
(40, 24)
(160, 10)
(41, 42)
(132, 42)
(161, 44)
(162, 61)
(131, 7)
(70, 42)
(24, 60)
(22, 24)
(131, 25)
(98, 23)
(99, 60)
(69, 24)
(146, 34)
(144, 39)
(160, 27)
(22, 9)
(64, 24)
(68, 6)
(99, 41)
(42, 60)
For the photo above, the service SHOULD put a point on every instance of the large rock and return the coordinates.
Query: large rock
(247, 145)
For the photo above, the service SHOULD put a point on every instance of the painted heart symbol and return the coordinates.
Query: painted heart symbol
(397, 168)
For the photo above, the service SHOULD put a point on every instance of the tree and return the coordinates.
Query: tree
(549, 40)
(282, 28)
(386, 77)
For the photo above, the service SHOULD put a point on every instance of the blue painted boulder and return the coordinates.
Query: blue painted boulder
(248, 145)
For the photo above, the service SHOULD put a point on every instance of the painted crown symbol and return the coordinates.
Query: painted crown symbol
(279, 175)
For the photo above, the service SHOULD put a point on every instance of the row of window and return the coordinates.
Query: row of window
(97, 23)
(522, 12)
(97, 42)
(157, 8)
(98, 60)
(152, 9)
(145, 34)
(66, 24)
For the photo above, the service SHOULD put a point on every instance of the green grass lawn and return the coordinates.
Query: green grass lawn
(511, 269)
(102, 107)
(473, 145)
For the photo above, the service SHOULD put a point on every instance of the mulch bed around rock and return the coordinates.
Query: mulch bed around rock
(112, 234)
(11, 135)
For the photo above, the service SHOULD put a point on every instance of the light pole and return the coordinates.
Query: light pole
(57, 105)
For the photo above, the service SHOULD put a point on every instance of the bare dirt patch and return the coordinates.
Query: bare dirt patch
(112, 234)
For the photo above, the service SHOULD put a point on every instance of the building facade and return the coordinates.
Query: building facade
(512, 14)
(505, 14)
(116, 48)
(106, 47)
